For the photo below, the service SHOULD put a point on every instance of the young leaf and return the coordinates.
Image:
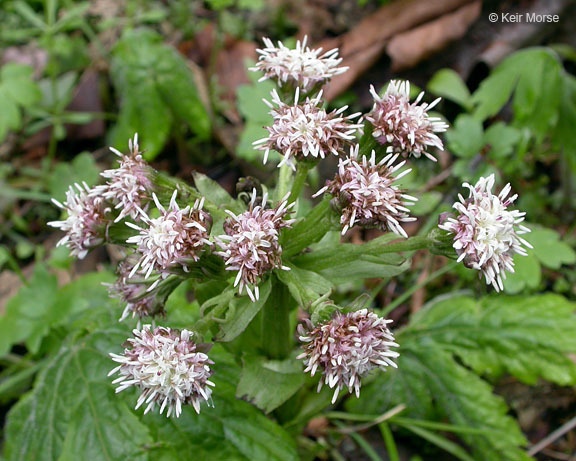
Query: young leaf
(346, 261)
(466, 138)
(448, 84)
(549, 249)
(241, 312)
(304, 286)
(269, 383)
(17, 92)
(156, 88)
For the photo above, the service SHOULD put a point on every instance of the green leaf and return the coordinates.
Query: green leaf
(83, 168)
(269, 383)
(309, 230)
(429, 380)
(466, 138)
(41, 305)
(502, 139)
(448, 84)
(527, 274)
(304, 286)
(527, 337)
(548, 247)
(250, 104)
(534, 75)
(240, 313)
(156, 88)
(232, 430)
(215, 193)
(253, 131)
(18, 91)
(345, 261)
(72, 409)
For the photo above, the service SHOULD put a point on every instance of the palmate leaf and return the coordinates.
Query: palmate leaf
(73, 409)
(527, 337)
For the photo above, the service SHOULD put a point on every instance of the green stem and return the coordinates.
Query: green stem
(299, 181)
(404, 296)
(276, 334)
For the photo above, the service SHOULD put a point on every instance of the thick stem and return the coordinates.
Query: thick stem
(299, 181)
(276, 334)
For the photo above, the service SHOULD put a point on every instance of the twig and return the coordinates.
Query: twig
(552, 437)
(361, 427)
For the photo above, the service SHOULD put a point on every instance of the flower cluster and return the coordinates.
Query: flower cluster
(138, 302)
(486, 233)
(251, 244)
(406, 127)
(86, 221)
(128, 187)
(168, 368)
(366, 195)
(302, 66)
(306, 130)
(174, 238)
(346, 348)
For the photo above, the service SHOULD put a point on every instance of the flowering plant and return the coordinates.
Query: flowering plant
(262, 273)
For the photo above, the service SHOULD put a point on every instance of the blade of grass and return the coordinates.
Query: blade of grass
(433, 425)
(361, 442)
(389, 441)
(441, 442)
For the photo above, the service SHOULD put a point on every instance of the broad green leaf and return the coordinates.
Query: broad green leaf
(241, 311)
(345, 261)
(215, 193)
(156, 89)
(448, 84)
(18, 91)
(26, 313)
(502, 139)
(528, 337)
(304, 286)
(548, 247)
(253, 131)
(73, 409)
(534, 76)
(527, 274)
(82, 168)
(232, 430)
(466, 138)
(250, 104)
(563, 135)
(311, 229)
(433, 385)
(41, 305)
(269, 383)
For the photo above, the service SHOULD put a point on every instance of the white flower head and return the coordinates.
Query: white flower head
(171, 240)
(86, 221)
(346, 348)
(405, 126)
(365, 192)
(129, 186)
(306, 130)
(302, 66)
(251, 244)
(167, 367)
(486, 232)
